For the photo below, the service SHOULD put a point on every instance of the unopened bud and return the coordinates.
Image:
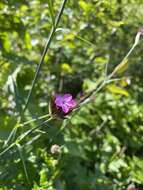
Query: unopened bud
(131, 187)
(128, 81)
(139, 34)
(55, 149)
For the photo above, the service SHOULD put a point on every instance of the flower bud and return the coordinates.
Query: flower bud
(55, 149)
(131, 187)
(139, 34)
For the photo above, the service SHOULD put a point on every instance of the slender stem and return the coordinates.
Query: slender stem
(31, 131)
(22, 137)
(36, 119)
(94, 91)
(6, 149)
(21, 125)
(124, 59)
(107, 79)
(83, 100)
(23, 163)
(51, 35)
(12, 134)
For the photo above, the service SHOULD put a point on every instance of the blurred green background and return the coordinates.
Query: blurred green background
(102, 144)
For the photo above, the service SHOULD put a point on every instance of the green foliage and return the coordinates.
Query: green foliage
(101, 142)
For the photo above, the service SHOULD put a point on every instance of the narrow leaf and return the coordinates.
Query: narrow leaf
(85, 40)
(117, 90)
(121, 67)
(23, 162)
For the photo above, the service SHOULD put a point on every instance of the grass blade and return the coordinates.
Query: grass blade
(50, 38)
(23, 162)
(85, 40)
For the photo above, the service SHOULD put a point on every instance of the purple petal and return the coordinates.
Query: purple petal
(58, 96)
(65, 108)
(59, 100)
(71, 104)
(67, 97)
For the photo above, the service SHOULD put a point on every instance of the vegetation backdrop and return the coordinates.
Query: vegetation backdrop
(99, 145)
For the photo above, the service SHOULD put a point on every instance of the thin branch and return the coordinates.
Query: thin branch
(107, 80)
(23, 136)
(23, 163)
(51, 35)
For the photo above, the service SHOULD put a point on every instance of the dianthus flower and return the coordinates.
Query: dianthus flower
(65, 102)
(62, 105)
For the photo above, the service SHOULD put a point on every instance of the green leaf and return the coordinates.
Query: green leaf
(116, 165)
(84, 40)
(85, 6)
(137, 170)
(117, 90)
(121, 67)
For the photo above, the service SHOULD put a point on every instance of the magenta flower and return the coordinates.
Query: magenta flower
(65, 102)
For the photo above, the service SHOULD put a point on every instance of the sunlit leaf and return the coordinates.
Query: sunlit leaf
(121, 67)
(117, 90)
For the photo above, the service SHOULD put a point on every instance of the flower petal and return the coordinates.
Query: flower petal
(71, 104)
(67, 97)
(65, 108)
(59, 100)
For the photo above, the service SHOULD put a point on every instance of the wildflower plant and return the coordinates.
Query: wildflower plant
(61, 105)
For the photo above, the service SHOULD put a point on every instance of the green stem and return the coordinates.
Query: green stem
(124, 59)
(22, 125)
(51, 35)
(19, 139)
(107, 79)
(23, 136)
(32, 120)
(23, 163)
